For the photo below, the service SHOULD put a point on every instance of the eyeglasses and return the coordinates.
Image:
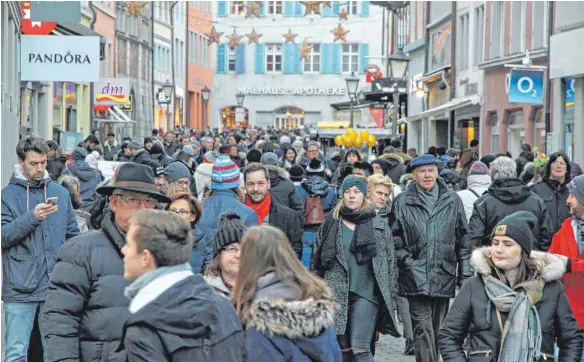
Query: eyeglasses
(184, 183)
(136, 201)
(559, 163)
(181, 212)
(232, 249)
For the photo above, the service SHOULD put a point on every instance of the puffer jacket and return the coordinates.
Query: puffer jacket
(89, 178)
(430, 246)
(474, 315)
(477, 183)
(396, 167)
(29, 246)
(283, 191)
(220, 202)
(503, 198)
(86, 308)
(554, 195)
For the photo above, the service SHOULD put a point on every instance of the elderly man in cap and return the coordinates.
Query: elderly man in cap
(429, 228)
(138, 152)
(86, 307)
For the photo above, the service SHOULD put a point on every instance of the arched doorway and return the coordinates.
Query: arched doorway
(231, 119)
(288, 118)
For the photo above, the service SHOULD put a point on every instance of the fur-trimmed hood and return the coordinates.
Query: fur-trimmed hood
(276, 172)
(554, 266)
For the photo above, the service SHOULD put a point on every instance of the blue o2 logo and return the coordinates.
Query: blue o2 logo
(525, 86)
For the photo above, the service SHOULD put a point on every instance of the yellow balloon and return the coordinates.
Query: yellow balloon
(371, 141)
(339, 140)
(351, 133)
(348, 142)
(364, 135)
(358, 141)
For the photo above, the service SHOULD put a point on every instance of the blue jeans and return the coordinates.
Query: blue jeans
(308, 239)
(19, 324)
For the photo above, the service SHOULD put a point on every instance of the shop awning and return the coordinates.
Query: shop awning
(442, 111)
(117, 116)
(75, 29)
(345, 106)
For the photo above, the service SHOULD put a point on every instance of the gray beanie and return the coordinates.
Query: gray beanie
(79, 154)
(176, 170)
(270, 158)
(229, 231)
(576, 188)
(134, 145)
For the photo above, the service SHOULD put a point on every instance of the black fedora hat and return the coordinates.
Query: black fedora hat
(134, 177)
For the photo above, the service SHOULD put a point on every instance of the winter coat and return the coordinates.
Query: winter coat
(163, 159)
(430, 246)
(123, 158)
(182, 321)
(56, 165)
(203, 178)
(477, 183)
(86, 308)
(83, 222)
(218, 286)
(337, 277)
(89, 178)
(283, 190)
(220, 202)
(142, 155)
(283, 330)
(202, 251)
(170, 149)
(503, 198)
(554, 196)
(397, 168)
(564, 243)
(287, 220)
(29, 246)
(110, 152)
(474, 315)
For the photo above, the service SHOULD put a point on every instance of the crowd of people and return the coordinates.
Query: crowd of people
(265, 245)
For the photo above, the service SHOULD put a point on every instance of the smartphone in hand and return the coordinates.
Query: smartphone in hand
(52, 201)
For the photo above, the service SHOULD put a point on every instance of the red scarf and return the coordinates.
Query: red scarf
(262, 209)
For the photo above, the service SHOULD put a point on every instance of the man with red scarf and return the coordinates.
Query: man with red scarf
(257, 186)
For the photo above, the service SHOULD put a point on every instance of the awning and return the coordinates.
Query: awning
(345, 106)
(443, 110)
(75, 29)
(117, 116)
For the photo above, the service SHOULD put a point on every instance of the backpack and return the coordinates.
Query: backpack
(314, 210)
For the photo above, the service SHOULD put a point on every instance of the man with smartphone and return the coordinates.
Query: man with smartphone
(37, 218)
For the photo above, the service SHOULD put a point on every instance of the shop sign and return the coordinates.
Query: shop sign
(111, 91)
(59, 58)
(570, 92)
(239, 115)
(525, 86)
(304, 91)
(127, 107)
(59, 11)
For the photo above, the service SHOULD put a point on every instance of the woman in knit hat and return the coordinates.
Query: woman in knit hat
(515, 308)
(353, 256)
(221, 273)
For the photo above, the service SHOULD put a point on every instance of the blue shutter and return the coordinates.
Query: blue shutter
(240, 59)
(324, 59)
(221, 58)
(364, 8)
(289, 8)
(363, 54)
(336, 8)
(260, 58)
(222, 8)
(297, 62)
(327, 12)
(298, 9)
(288, 55)
(263, 9)
(335, 50)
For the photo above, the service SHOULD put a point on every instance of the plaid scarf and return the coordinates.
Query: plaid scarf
(521, 335)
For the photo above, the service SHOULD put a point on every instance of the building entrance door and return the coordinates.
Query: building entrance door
(288, 118)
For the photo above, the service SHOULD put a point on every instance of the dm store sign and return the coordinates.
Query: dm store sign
(525, 86)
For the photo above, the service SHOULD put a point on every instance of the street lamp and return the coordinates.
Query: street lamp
(352, 86)
(240, 97)
(205, 94)
(398, 65)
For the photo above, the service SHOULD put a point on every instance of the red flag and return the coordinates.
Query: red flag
(377, 115)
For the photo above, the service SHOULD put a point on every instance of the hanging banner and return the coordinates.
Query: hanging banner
(377, 115)
(525, 86)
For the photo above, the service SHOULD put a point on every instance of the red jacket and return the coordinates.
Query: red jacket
(564, 243)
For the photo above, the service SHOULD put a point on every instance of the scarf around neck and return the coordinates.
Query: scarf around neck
(131, 290)
(521, 334)
(428, 198)
(262, 208)
(579, 234)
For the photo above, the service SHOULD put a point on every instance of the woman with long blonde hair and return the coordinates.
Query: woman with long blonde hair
(288, 313)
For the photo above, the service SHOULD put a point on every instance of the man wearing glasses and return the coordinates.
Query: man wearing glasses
(86, 307)
(312, 152)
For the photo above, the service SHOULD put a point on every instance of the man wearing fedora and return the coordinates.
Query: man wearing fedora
(86, 308)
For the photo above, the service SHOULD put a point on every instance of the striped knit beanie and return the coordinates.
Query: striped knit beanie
(225, 174)
(230, 230)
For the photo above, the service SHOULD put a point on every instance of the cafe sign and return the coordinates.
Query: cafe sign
(301, 91)
(111, 91)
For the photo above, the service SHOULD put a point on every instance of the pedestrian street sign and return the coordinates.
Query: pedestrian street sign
(525, 86)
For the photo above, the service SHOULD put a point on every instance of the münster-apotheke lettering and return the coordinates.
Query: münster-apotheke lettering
(303, 91)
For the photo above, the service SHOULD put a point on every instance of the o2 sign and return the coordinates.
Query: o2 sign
(570, 91)
(525, 86)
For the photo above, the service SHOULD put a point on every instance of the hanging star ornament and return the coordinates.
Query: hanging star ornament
(214, 36)
(343, 15)
(234, 39)
(253, 37)
(289, 36)
(340, 33)
(253, 9)
(311, 7)
(305, 50)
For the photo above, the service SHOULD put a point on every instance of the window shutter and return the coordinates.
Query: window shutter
(336, 8)
(297, 62)
(327, 12)
(260, 58)
(263, 8)
(288, 55)
(289, 8)
(335, 50)
(222, 8)
(324, 59)
(298, 9)
(364, 8)
(363, 54)
(221, 59)
(240, 59)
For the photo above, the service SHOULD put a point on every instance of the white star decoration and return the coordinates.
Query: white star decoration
(27, 16)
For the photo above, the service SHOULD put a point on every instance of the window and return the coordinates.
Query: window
(273, 57)
(231, 60)
(145, 31)
(494, 119)
(350, 58)
(420, 21)
(479, 34)
(195, 48)
(496, 48)
(463, 35)
(312, 64)
(352, 7)
(540, 132)
(274, 7)
(109, 60)
(539, 31)
(517, 25)
(121, 56)
(134, 59)
(237, 7)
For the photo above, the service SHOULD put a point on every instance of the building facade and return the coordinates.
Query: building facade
(163, 62)
(280, 88)
(179, 28)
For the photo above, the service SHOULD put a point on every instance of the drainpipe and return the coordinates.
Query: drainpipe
(152, 83)
(548, 96)
(186, 105)
(453, 37)
(427, 51)
(91, 95)
(171, 124)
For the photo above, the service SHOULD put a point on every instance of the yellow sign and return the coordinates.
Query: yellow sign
(127, 107)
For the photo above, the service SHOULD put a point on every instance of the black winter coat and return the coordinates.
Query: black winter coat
(503, 198)
(142, 155)
(468, 315)
(429, 247)
(554, 195)
(283, 191)
(86, 308)
(187, 322)
(288, 221)
(163, 159)
(172, 148)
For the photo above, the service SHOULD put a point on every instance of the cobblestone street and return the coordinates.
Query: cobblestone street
(391, 349)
